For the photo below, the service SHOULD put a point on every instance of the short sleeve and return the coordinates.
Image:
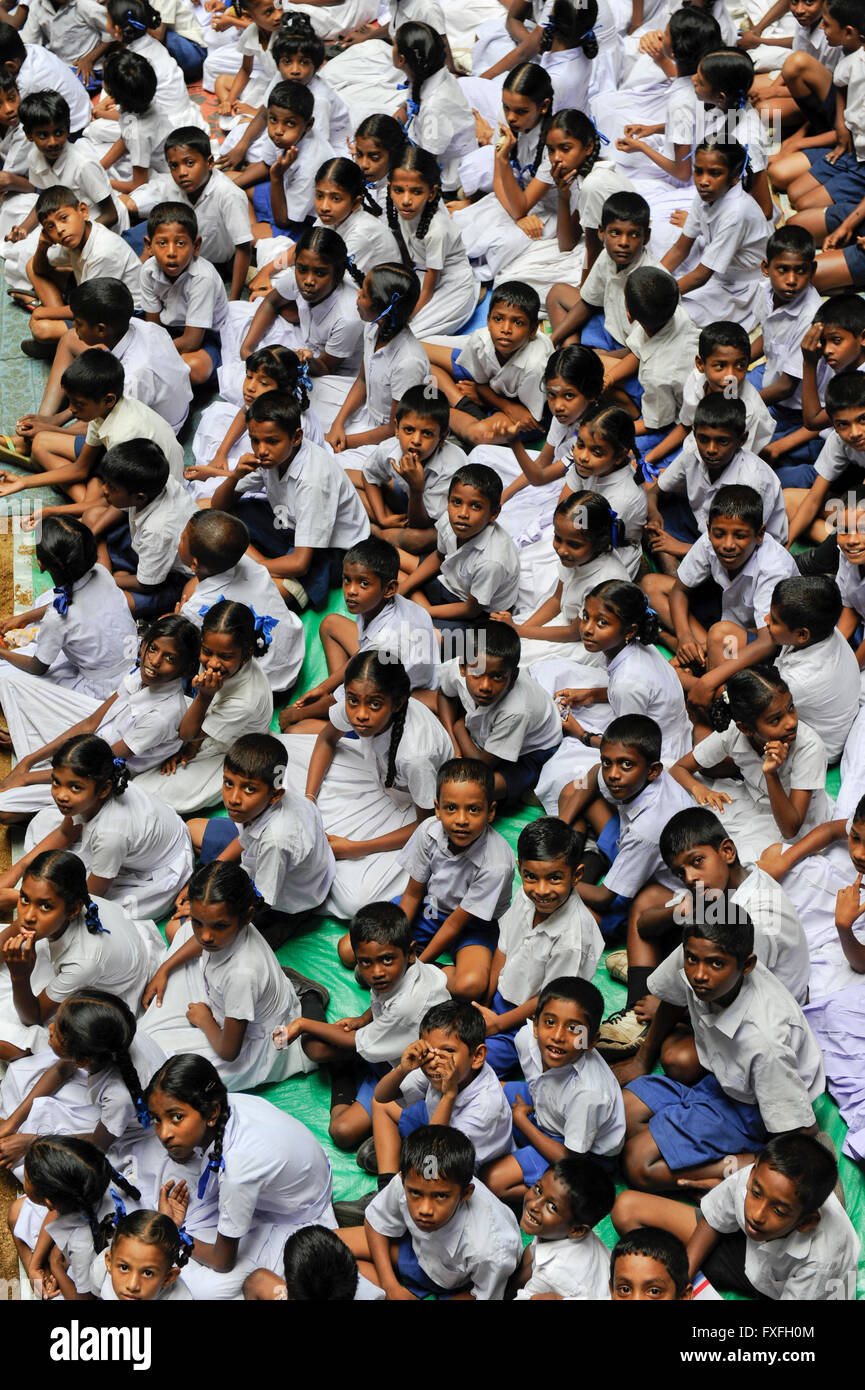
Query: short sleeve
(711, 750)
(434, 248)
(718, 1207)
(721, 250)
(673, 478)
(633, 866)
(486, 890)
(315, 504)
(72, 974)
(148, 728)
(692, 221)
(694, 567)
(344, 334)
(808, 769)
(157, 555)
(779, 1091)
(471, 358)
(666, 981)
(150, 300)
(507, 735)
(49, 638)
(201, 302)
(377, 467)
(116, 1108)
(594, 286)
(239, 992)
(384, 1212)
(416, 857)
(238, 1199)
(419, 775)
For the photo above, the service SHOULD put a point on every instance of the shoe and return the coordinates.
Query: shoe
(365, 1157)
(617, 966)
(304, 985)
(39, 351)
(828, 1143)
(620, 1035)
(353, 1213)
(296, 596)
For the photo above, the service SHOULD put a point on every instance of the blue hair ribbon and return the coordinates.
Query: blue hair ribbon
(264, 625)
(119, 764)
(186, 1240)
(62, 601)
(134, 24)
(214, 1166)
(522, 172)
(142, 1113)
(259, 896)
(205, 609)
(394, 300)
(604, 139)
(549, 29)
(92, 921)
(303, 377)
(745, 165)
(614, 521)
(587, 37)
(119, 1205)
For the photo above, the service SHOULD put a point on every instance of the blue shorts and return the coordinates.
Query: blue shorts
(501, 1049)
(369, 1076)
(844, 180)
(532, 1163)
(412, 1277)
(677, 516)
(413, 1117)
(595, 334)
(210, 343)
(616, 915)
(522, 776)
(457, 372)
(697, 1124)
(218, 835)
(80, 441)
(325, 570)
(123, 557)
(439, 594)
(476, 933)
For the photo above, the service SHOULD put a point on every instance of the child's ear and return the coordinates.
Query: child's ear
(390, 588)
(687, 1293)
(147, 243)
(467, 1192)
(437, 809)
(297, 438)
(310, 123)
(728, 851)
(492, 812)
(494, 514)
(698, 363)
(578, 873)
(749, 965)
(171, 1277)
(574, 1233)
(534, 330)
(84, 209)
(478, 1057)
(764, 267)
(278, 794)
(809, 1222)
(655, 770)
(761, 534)
(196, 246)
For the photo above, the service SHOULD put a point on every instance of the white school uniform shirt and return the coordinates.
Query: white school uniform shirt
(179, 16)
(589, 193)
(680, 125)
(331, 326)
(784, 328)
(523, 159)
(478, 879)
(851, 582)
(760, 1048)
(687, 473)
(486, 567)
(520, 377)
(627, 499)
(581, 1101)
(479, 1246)
(69, 30)
(115, 959)
(524, 720)
(731, 236)
(836, 457)
(579, 580)
(420, 753)
(245, 981)
(396, 1016)
(154, 373)
(315, 498)
(43, 71)
(74, 1239)
(816, 1265)
(195, 299)
(403, 631)
(98, 634)
(746, 596)
(249, 582)
(147, 719)
(299, 178)
(104, 253)
(642, 682)
(392, 369)
(745, 127)
(567, 942)
(156, 530)
(171, 94)
(814, 41)
(368, 239)
(86, 177)
(665, 361)
(15, 151)
(803, 768)
(285, 851)
(131, 419)
(641, 821)
(759, 423)
(221, 210)
(604, 287)
(437, 472)
(132, 832)
(444, 124)
(244, 705)
(332, 116)
(824, 681)
(481, 1111)
(576, 1269)
(108, 1093)
(849, 76)
(144, 136)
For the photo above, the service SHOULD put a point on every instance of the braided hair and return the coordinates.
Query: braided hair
(426, 166)
(329, 245)
(91, 757)
(96, 1027)
(614, 426)
(66, 549)
(629, 604)
(580, 127)
(223, 881)
(592, 514)
(68, 877)
(153, 1228)
(237, 621)
(283, 368)
(391, 678)
(73, 1175)
(296, 35)
(532, 81)
(735, 156)
(195, 1082)
(573, 25)
(423, 50)
(349, 177)
(385, 131)
(394, 291)
(746, 695)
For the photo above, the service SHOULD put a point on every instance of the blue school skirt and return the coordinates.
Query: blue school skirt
(697, 1124)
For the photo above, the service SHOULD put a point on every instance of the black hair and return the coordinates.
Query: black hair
(591, 514)
(811, 601)
(282, 366)
(73, 1175)
(547, 839)
(66, 549)
(532, 81)
(483, 479)
(91, 757)
(738, 502)
(456, 1017)
(185, 636)
(629, 604)
(394, 291)
(276, 408)
(349, 177)
(579, 366)
(517, 295)
(715, 411)
(259, 756)
(686, 829)
(96, 1027)
(500, 641)
(424, 52)
(67, 875)
(722, 333)
(747, 693)
(426, 166)
(653, 1243)
(54, 198)
(8, 81)
(94, 375)
(791, 240)
(134, 18)
(44, 108)
(153, 1228)
(428, 403)
(731, 71)
(296, 35)
(136, 465)
(376, 555)
(847, 13)
(383, 922)
(391, 678)
(859, 813)
(624, 206)
(591, 1189)
(103, 300)
(217, 540)
(319, 1267)
(845, 311)
(130, 80)
(12, 48)
(583, 993)
(579, 126)
(844, 391)
(651, 296)
(238, 621)
(693, 32)
(462, 770)
(195, 1082)
(613, 425)
(574, 24)
(734, 155)
(635, 731)
(329, 246)
(721, 920)
(293, 97)
(190, 137)
(386, 132)
(810, 1167)
(180, 213)
(224, 881)
(451, 1152)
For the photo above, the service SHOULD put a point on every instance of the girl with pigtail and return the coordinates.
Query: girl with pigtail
(375, 788)
(378, 141)
(66, 1179)
(584, 181)
(239, 1178)
(435, 114)
(144, 1261)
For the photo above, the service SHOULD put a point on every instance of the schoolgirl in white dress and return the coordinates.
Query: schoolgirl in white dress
(364, 73)
(378, 141)
(144, 1261)
(438, 115)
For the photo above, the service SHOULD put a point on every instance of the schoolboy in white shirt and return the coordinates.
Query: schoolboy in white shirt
(566, 1258)
(135, 478)
(182, 291)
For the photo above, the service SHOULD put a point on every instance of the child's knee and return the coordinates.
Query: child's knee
(345, 952)
(679, 1060)
(656, 586)
(348, 1127)
(627, 1213)
(471, 983)
(636, 1159)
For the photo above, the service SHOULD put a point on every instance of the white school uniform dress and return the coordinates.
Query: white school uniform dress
(69, 31)
(102, 1287)
(730, 238)
(243, 981)
(14, 207)
(134, 840)
(444, 124)
(759, 424)
(817, 1265)
(480, 1246)
(575, 1269)
(130, 419)
(665, 360)
(156, 530)
(813, 886)
(171, 94)
(824, 682)
(604, 288)
(315, 497)
(397, 633)
(43, 71)
(104, 253)
(364, 75)
(524, 720)
(748, 819)
(567, 942)
(784, 327)
(221, 210)
(746, 596)
(849, 75)
(244, 705)
(195, 299)
(389, 371)
(285, 851)
(378, 467)
(329, 21)
(456, 292)
(628, 501)
(582, 1101)
(71, 1234)
(397, 1016)
(481, 1111)
(497, 247)
(355, 803)
(688, 474)
(576, 583)
(152, 374)
(478, 879)
(486, 567)
(249, 582)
